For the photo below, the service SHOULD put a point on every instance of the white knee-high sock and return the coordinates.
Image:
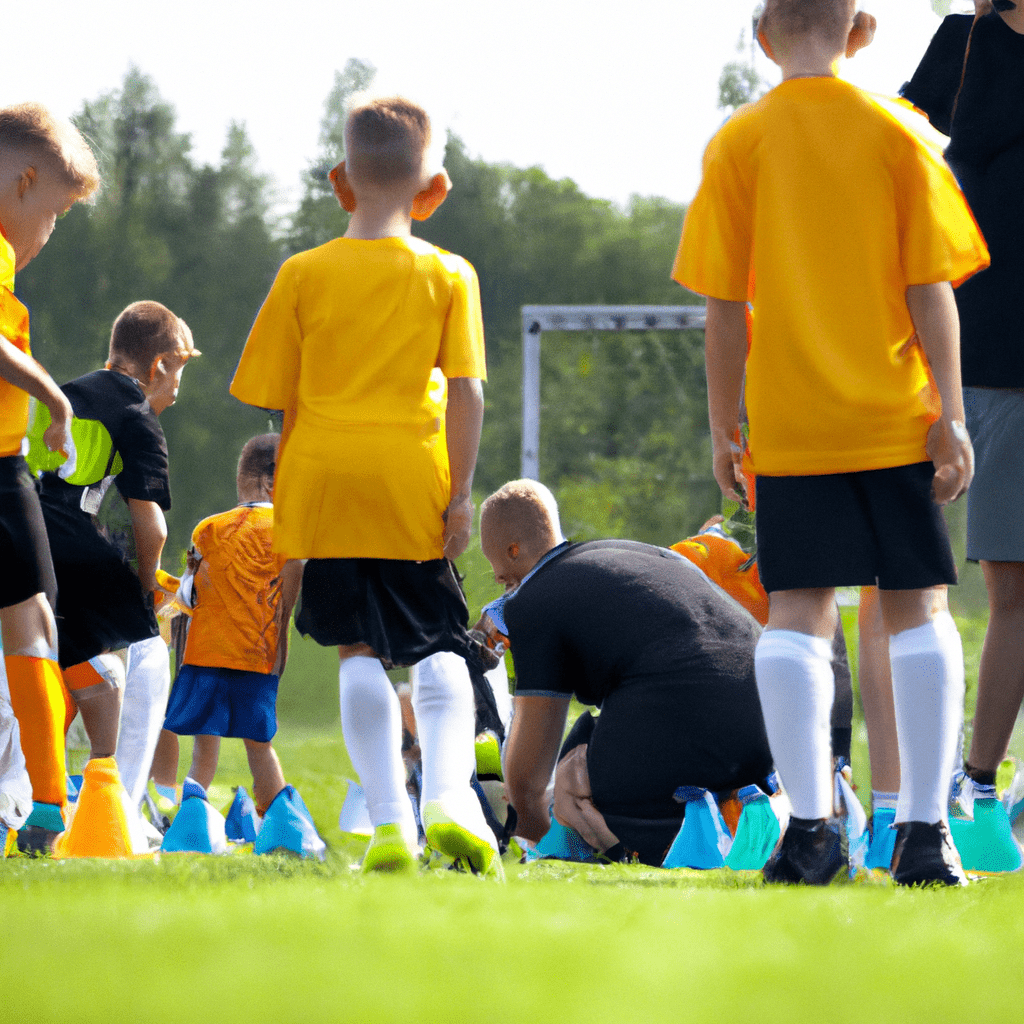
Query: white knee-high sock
(442, 699)
(796, 687)
(928, 692)
(371, 722)
(143, 706)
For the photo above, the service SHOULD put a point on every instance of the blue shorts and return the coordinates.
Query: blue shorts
(223, 702)
(995, 518)
(879, 527)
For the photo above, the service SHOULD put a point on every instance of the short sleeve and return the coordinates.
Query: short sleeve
(462, 339)
(140, 443)
(933, 86)
(939, 238)
(715, 249)
(268, 372)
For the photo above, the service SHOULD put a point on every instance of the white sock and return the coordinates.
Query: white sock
(371, 722)
(928, 693)
(442, 699)
(883, 801)
(143, 706)
(797, 687)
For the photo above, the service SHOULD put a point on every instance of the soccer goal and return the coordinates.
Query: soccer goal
(538, 319)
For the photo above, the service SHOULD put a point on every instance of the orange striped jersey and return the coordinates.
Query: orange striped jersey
(236, 591)
(722, 560)
(14, 327)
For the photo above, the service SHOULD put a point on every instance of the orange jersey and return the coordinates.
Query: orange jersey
(721, 560)
(236, 592)
(820, 205)
(14, 327)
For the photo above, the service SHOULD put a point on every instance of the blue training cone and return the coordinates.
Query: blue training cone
(287, 826)
(242, 822)
(197, 827)
(704, 840)
(561, 843)
(757, 831)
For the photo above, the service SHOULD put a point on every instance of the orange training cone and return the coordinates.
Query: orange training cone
(104, 823)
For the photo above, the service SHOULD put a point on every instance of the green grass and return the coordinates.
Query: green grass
(241, 938)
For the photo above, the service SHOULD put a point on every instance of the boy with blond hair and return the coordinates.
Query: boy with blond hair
(45, 168)
(373, 346)
(832, 214)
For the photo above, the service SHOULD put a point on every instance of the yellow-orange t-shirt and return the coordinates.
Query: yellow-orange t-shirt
(14, 327)
(236, 592)
(820, 205)
(354, 343)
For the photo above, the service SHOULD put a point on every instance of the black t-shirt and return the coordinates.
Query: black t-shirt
(118, 402)
(606, 612)
(986, 153)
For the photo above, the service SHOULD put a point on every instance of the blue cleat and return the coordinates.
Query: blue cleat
(883, 839)
(288, 827)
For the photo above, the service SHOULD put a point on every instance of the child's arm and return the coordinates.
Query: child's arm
(933, 310)
(24, 372)
(150, 529)
(291, 583)
(463, 422)
(725, 355)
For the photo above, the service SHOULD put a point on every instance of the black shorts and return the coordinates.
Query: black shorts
(878, 528)
(100, 602)
(25, 565)
(405, 611)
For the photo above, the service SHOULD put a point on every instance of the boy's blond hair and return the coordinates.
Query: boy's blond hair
(32, 127)
(526, 510)
(142, 332)
(791, 19)
(386, 140)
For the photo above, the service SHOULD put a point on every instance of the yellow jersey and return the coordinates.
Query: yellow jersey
(14, 327)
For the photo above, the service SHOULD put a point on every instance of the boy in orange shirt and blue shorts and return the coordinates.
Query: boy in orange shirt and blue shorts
(45, 167)
(373, 346)
(833, 215)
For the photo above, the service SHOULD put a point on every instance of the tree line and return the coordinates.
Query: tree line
(624, 423)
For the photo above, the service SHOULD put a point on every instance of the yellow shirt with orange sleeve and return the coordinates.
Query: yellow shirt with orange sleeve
(724, 562)
(235, 592)
(354, 343)
(819, 205)
(14, 327)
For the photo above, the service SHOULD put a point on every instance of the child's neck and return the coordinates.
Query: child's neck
(809, 57)
(383, 218)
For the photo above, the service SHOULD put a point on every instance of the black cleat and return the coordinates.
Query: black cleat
(36, 841)
(813, 851)
(925, 855)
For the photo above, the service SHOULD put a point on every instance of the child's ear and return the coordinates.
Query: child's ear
(430, 198)
(26, 180)
(862, 33)
(157, 366)
(342, 189)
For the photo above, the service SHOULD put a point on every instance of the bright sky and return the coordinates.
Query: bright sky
(620, 99)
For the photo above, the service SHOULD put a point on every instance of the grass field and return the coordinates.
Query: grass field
(242, 938)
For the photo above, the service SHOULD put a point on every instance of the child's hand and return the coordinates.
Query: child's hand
(951, 452)
(57, 436)
(458, 525)
(728, 470)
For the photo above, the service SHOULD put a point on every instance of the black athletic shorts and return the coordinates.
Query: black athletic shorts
(25, 565)
(405, 611)
(878, 528)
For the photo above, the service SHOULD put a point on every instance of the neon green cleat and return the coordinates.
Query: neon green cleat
(448, 837)
(388, 852)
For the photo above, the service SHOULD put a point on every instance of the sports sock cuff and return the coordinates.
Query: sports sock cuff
(787, 643)
(881, 801)
(924, 639)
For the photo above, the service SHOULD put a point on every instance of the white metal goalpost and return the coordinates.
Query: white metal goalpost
(538, 319)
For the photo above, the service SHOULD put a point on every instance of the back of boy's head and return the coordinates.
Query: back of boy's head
(386, 141)
(258, 458)
(791, 19)
(57, 143)
(142, 332)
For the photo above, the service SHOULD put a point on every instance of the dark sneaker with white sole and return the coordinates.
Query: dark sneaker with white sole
(925, 855)
(813, 851)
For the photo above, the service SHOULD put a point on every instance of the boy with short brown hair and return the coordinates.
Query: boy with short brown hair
(373, 346)
(45, 168)
(830, 212)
